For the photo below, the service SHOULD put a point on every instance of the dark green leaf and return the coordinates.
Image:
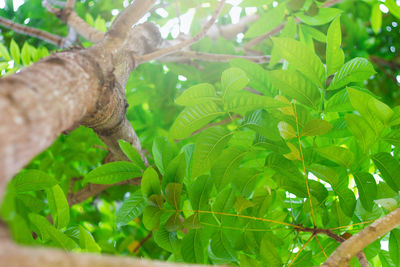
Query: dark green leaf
(112, 173)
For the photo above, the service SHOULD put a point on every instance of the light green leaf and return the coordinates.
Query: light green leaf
(151, 217)
(207, 149)
(356, 70)
(131, 208)
(286, 130)
(376, 18)
(257, 75)
(302, 58)
(393, 8)
(334, 54)
(361, 130)
(233, 79)
(269, 252)
(221, 247)
(367, 189)
(26, 54)
(339, 102)
(112, 173)
(199, 192)
(32, 180)
(194, 117)
(263, 123)
(163, 153)
(15, 52)
(316, 127)
(324, 16)
(193, 249)
(268, 21)
(197, 94)
(4, 52)
(131, 153)
(242, 103)
(242, 203)
(337, 154)
(394, 246)
(389, 168)
(58, 206)
(87, 242)
(150, 183)
(295, 85)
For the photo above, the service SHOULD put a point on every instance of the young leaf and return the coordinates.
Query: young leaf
(286, 130)
(15, 51)
(193, 118)
(131, 153)
(58, 206)
(316, 127)
(166, 240)
(208, 147)
(32, 180)
(356, 70)
(295, 85)
(301, 57)
(131, 208)
(233, 79)
(334, 54)
(112, 173)
(173, 194)
(150, 183)
(197, 94)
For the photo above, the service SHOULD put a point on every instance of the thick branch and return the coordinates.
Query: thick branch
(196, 38)
(185, 55)
(43, 35)
(348, 249)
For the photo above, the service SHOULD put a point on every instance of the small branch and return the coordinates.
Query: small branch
(94, 189)
(196, 38)
(43, 35)
(149, 235)
(193, 55)
(348, 249)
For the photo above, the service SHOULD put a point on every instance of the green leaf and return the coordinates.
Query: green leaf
(4, 52)
(268, 21)
(20, 231)
(193, 118)
(367, 189)
(197, 94)
(49, 231)
(173, 223)
(221, 247)
(199, 192)
(208, 147)
(339, 102)
(193, 248)
(334, 54)
(361, 130)
(173, 194)
(393, 8)
(356, 70)
(150, 183)
(58, 206)
(87, 242)
(15, 51)
(302, 58)
(376, 18)
(269, 252)
(223, 202)
(151, 217)
(32, 180)
(263, 123)
(324, 16)
(316, 127)
(241, 204)
(163, 153)
(313, 33)
(166, 240)
(131, 208)
(394, 246)
(233, 79)
(389, 168)
(112, 173)
(242, 103)
(295, 85)
(176, 171)
(26, 54)
(131, 153)
(337, 154)
(228, 163)
(257, 75)
(286, 130)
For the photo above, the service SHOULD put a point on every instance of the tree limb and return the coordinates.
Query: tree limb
(348, 249)
(196, 38)
(43, 35)
(185, 55)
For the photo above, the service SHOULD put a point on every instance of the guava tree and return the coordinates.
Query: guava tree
(251, 133)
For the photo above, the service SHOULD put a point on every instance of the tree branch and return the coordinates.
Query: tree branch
(348, 249)
(148, 236)
(185, 55)
(43, 35)
(196, 38)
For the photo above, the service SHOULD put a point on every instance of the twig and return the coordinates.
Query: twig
(43, 35)
(148, 236)
(196, 38)
(320, 246)
(348, 249)
(184, 55)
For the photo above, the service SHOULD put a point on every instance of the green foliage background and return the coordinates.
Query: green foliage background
(232, 192)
